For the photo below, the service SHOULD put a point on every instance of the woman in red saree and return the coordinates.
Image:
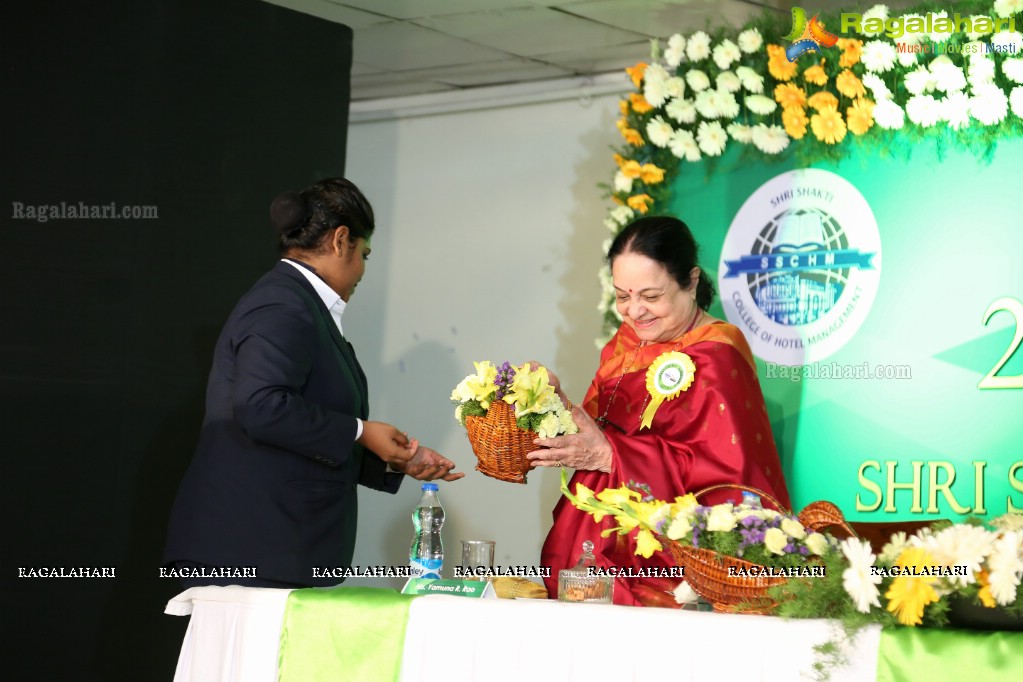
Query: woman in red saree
(714, 431)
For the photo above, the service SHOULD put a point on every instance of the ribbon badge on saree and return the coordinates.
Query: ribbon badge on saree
(668, 375)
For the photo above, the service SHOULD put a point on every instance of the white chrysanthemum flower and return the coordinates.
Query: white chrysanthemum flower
(759, 104)
(751, 80)
(726, 53)
(878, 56)
(907, 59)
(458, 414)
(1013, 70)
(1008, 42)
(956, 110)
(712, 139)
(981, 71)
(658, 131)
(744, 133)
(939, 36)
(675, 86)
(912, 37)
(655, 88)
(1005, 566)
(770, 139)
(750, 40)
(676, 50)
(923, 110)
(681, 110)
(947, 76)
(1008, 8)
(889, 115)
(698, 46)
(622, 183)
(684, 594)
(726, 104)
(728, 81)
(707, 104)
(549, 425)
(893, 548)
(974, 34)
(697, 80)
(961, 545)
(1009, 521)
(989, 104)
(622, 215)
(683, 145)
(859, 581)
(974, 50)
(877, 87)
(920, 81)
(875, 12)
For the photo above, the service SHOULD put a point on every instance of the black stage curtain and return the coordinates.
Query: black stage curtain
(203, 109)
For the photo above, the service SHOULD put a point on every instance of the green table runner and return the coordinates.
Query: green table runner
(915, 654)
(343, 633)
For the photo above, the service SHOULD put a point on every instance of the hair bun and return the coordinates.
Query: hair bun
(288, 212)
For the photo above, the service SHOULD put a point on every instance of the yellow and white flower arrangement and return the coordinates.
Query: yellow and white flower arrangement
(537, 407)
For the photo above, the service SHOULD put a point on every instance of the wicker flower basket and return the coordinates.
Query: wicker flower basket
(500, 445)
(707, 572)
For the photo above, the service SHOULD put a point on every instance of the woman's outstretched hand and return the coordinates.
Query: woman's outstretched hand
(588, 450)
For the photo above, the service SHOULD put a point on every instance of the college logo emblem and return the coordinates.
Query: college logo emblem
(806, 36)
(800, 266)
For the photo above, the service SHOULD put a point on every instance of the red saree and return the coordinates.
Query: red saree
(715, 432)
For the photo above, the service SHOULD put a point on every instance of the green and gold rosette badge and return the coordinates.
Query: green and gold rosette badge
(667, 377)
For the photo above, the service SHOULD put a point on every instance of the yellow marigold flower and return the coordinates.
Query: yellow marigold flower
(778, 64)
(651, 174)
(849, 85)
(828, 125)
(822, 100)
(636, 73)
(632, 169)
(619, 159)
(851, 49)
(985, 596)
(633, 137)
(815, 74)
(647, 544)
(614, 198)
(795, 121)
(790, 96)
(639, 103)
(640, 202)
(909, 594)
(860, 116)
(623, 106)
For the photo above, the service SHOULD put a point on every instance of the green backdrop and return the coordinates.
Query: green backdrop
(932, 444)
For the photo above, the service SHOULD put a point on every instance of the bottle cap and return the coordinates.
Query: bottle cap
(429, 486)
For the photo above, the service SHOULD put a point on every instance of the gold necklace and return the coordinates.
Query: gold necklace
(602, 419)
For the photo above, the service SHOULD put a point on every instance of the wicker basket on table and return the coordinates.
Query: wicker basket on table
(500, 445)
(707, 571)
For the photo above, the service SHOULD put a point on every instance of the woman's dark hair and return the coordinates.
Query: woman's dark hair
(668, 241)
(304, 218)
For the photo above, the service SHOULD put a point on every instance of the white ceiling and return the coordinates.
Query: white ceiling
(413, 47)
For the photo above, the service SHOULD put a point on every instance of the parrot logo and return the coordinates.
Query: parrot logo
(806, 36)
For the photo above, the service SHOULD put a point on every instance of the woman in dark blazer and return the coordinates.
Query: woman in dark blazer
(286, 438)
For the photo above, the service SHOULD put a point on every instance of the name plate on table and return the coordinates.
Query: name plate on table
(475, 589)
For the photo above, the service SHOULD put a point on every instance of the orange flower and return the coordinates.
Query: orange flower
(849, 85)
(794, 119)
(632, 169)
(778, 64)
(651, 174)
(640, 202)
(639, 103)
(631, 136)
(618, 201)
(623, 106)
(851, 49)
(828, 125)
(815, 74)
(636, 73)
(860, 116)
(985, 596)
(822, 99)
(619, 159)
(790, 95)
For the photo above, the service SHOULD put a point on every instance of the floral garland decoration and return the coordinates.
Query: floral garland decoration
(706, 92)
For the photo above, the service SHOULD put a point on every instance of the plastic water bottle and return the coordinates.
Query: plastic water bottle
(426, 557)
(751, 499)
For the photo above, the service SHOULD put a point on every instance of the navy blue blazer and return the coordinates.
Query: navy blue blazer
(272, 482)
